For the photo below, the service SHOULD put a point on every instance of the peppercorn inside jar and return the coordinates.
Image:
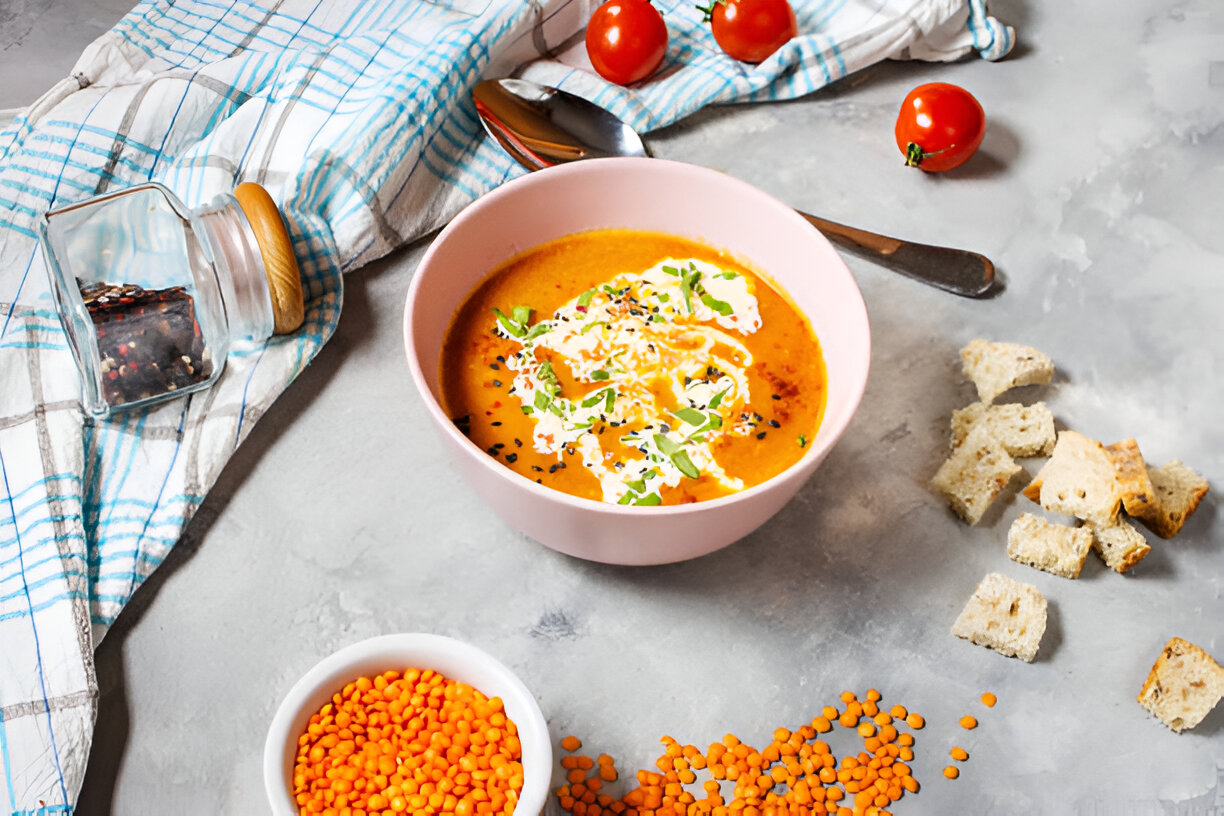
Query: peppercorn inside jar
(153, 294)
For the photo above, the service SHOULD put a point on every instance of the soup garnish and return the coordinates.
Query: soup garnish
(647, 377)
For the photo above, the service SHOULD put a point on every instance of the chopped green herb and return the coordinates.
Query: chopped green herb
(592, 325)
(526, 409)
(802, 440)
(637, 485)
(691, 415)
(540, 328)
(671, 270)
(649, 500)
(542, 400)
(522, 314)
(718, 398)
(511, 326)
(584, 299)
(677, 454)
(720, 306)
(599, 374)
(595, 397)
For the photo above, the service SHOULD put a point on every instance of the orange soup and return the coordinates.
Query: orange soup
(634, 368)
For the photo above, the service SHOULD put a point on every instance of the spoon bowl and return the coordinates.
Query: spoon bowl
(542, 127)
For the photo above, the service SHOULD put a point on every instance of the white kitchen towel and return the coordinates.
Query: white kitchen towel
(357, 116)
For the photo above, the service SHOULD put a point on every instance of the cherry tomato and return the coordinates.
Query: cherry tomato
(626, 40)
(751, 30)
(940, 126)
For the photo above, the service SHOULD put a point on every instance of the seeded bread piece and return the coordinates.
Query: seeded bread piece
(1005, 615)
(1119, 544)
(1055, 548)
(975, 474)
(1079, 480)
(1183, 686)
(1178, 493)
(998, 367)
(1022, 430)
(1135, 487)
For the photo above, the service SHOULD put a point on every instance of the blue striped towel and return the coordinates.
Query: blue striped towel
(356, 116)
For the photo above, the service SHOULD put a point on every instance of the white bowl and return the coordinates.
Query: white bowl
(661, 196)
(453, 659)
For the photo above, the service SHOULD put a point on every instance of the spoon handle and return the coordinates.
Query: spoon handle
(954, 270)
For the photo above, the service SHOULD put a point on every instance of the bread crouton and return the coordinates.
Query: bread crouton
(997, 367)
(1022, 430)
(1119, 544)
(1079, 479)
(1135, 487)
(1054, 548)
(1178, 493)
(975, 474)
(1005, 615)
(1183, 686)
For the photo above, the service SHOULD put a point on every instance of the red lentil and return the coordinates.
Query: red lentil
(400, 742)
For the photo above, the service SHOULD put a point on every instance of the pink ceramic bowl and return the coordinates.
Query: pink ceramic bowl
(662, 196)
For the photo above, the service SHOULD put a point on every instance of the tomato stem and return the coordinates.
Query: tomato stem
(708, 11)
(914, 154)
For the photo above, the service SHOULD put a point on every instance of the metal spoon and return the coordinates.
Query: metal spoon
(541, 126)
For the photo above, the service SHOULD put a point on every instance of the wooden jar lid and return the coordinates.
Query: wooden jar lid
(284, 280)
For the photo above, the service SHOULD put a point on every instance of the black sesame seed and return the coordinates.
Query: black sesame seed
(775, 396)
(537, 468)
(497, 383)
(495, 424)
(512, 457)
(518, 443)
(775, 423)
(495, 366)
(761, 435)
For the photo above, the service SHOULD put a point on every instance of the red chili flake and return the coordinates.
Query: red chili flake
(123, 348)
(112, 374)
(497, 404)
(132, 366)
(580, 309)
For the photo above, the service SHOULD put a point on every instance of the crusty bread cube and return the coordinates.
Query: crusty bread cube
(1005, 615)
(1135, 487)
(1054, 548)
(975, 474)
(1178, 493)
(1183, 686)
(1119, 544)
(1022, 430)
(997, 367)
(1079, 479)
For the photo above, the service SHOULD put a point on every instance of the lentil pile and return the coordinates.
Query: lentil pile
(796, 773)
(414, 742)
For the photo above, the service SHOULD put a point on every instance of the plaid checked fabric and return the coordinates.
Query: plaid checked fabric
(356, 116)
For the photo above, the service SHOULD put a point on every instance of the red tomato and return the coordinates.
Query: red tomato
(940, 126)
(751, 30)
(626, 40)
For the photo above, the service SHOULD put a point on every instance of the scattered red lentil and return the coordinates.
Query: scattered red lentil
(795, 773)
(951, 772)
(959, 754)
(968, 722)
(989, 700)
(571, 743)
(411, 742)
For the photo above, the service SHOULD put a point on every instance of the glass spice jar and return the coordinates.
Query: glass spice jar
(153, 294)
